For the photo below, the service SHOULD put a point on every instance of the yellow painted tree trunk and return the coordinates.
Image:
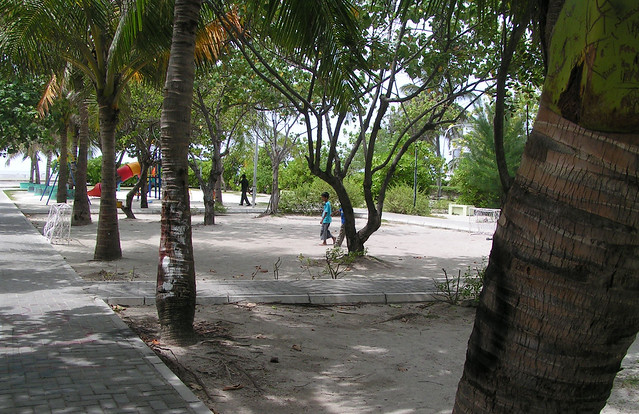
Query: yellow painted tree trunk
(560, 303)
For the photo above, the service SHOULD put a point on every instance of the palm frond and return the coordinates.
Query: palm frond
(51, 92)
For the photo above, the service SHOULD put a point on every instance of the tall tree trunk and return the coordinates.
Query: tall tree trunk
(273, 205)
(81, 209)
(107, 246)
(73, 165)
(559, 307)
(218, 191)
(144, 187)
(208, 192)
(175, 293)
(35, 169)
(63, 165)
(47, 174)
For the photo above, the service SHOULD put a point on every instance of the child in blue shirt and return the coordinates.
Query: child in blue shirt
(326, 219)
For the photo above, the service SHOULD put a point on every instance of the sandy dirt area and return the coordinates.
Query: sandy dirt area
(263, 358)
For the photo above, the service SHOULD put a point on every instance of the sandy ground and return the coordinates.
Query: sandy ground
(245, 246)
(258, 358)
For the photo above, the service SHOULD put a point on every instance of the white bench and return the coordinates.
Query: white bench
(461, 210)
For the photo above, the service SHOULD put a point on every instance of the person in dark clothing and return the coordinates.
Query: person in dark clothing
(245, 187)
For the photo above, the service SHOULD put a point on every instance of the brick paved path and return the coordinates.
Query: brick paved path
(62, 350)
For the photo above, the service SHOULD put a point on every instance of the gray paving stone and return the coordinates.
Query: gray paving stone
(64, 347)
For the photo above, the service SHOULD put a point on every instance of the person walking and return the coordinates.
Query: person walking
(245, 187)
(326, 219)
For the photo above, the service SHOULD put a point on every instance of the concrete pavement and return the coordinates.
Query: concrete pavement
(63, 350)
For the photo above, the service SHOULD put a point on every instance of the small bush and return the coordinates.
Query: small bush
(94, 170)
(400, 199)
(462, 289)
(306, 199)
(439, 206)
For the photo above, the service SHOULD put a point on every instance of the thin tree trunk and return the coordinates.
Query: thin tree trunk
(208, 191)
(273, 205)
(74, 155)
(175, 293)
(35, 169)
(107, 246)
(81, 208)
(48, 168)
(63, 166)
(144, 188)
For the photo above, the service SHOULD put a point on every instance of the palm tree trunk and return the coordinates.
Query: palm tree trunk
(559, 307)
(81, 209)
(63, 166)
(175, 293)
(47, 173)
(107, 246)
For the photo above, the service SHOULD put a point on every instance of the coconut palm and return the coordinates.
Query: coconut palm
(59, 91)
(110, 43)
(559, 307)
(175, 295)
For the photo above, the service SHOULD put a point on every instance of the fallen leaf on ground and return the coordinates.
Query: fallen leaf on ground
(233, 387)
(296, 347)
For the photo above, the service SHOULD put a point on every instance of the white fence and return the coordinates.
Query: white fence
(484, 220)
(58, 227)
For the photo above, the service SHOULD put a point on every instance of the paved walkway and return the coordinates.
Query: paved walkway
(64, 351)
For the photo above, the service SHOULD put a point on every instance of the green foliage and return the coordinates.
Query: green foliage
(20, 123)
(295, 171)
(305, 198)
(400, 199)
(439, 206)
(428, 165)
(354, 189)
(477, 176)
(464, 289)
(336, 262)
(205, 169)
(264, 172)
(94, 170)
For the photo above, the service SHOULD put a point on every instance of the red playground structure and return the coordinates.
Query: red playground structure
(124, 173)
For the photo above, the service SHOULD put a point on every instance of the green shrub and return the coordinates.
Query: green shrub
(400, 199)
(353, 186)
(94, 170)
(439, 206)
(305, 199)
(463, 289)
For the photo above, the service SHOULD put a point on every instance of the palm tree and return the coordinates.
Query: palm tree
(110, 43)
(559, 307)
(81, 209)
(58, 90)
(175, 294)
